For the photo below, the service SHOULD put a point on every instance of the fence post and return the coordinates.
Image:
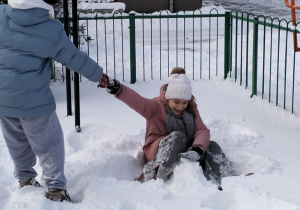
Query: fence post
(227, 39)
(255, 52)
(132, 48)
(68, 72)
(76, 75)
(52, 70)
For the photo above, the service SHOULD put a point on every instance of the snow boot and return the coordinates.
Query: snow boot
(164, 173)
(29, 182)
(149, 172)
(58, 195)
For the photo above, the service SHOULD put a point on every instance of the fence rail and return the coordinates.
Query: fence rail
(264, 59)
(255, 51)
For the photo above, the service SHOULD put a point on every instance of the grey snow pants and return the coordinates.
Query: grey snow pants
(215, 164)
(41, 137)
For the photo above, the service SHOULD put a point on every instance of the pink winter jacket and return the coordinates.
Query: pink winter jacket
(154, 111)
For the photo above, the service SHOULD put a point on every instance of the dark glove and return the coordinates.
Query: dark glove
(112, 86)
(195, 153)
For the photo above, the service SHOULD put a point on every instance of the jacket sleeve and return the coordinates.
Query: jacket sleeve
(202, 133)
(140, 104)
(67, 54)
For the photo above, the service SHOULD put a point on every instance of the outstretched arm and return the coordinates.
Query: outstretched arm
(67, 54)
(140, 104)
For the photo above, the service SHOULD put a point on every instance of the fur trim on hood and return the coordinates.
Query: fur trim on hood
(28, 4)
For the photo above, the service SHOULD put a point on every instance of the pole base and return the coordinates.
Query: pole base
(78, 129)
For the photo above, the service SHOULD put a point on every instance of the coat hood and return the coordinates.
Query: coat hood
(29, 4)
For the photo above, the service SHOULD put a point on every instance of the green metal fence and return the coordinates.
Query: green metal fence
(142, 46)
(263, 58)
(256, 52)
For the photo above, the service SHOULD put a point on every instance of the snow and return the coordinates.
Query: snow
(103, 160)
(95, 6)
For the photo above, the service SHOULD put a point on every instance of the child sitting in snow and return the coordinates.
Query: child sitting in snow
(174, 129)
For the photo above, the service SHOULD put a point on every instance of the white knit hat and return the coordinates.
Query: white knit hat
(179, 86)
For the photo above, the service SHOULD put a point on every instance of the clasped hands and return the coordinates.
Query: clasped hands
(112, 86)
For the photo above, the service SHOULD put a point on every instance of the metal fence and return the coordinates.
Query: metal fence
(256, 52)
(263, 58)
(143, 46)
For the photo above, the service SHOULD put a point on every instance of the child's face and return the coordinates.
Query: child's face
(177, 105)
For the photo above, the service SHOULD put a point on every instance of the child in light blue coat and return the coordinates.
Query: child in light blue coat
(30, 37)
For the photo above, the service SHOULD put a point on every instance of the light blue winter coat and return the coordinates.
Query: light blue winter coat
(28, 38)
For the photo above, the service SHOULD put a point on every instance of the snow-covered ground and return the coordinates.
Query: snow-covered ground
(102, 6)
(272, 8)
(102, 161)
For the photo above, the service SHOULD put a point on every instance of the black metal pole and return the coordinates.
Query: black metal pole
(68, 73)
(76, 75)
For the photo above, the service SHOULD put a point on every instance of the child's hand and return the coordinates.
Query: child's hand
(194, 153)
(104, 82)
(190, 155)
(113, 86)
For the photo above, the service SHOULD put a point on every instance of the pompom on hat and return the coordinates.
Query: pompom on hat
(179, 87)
